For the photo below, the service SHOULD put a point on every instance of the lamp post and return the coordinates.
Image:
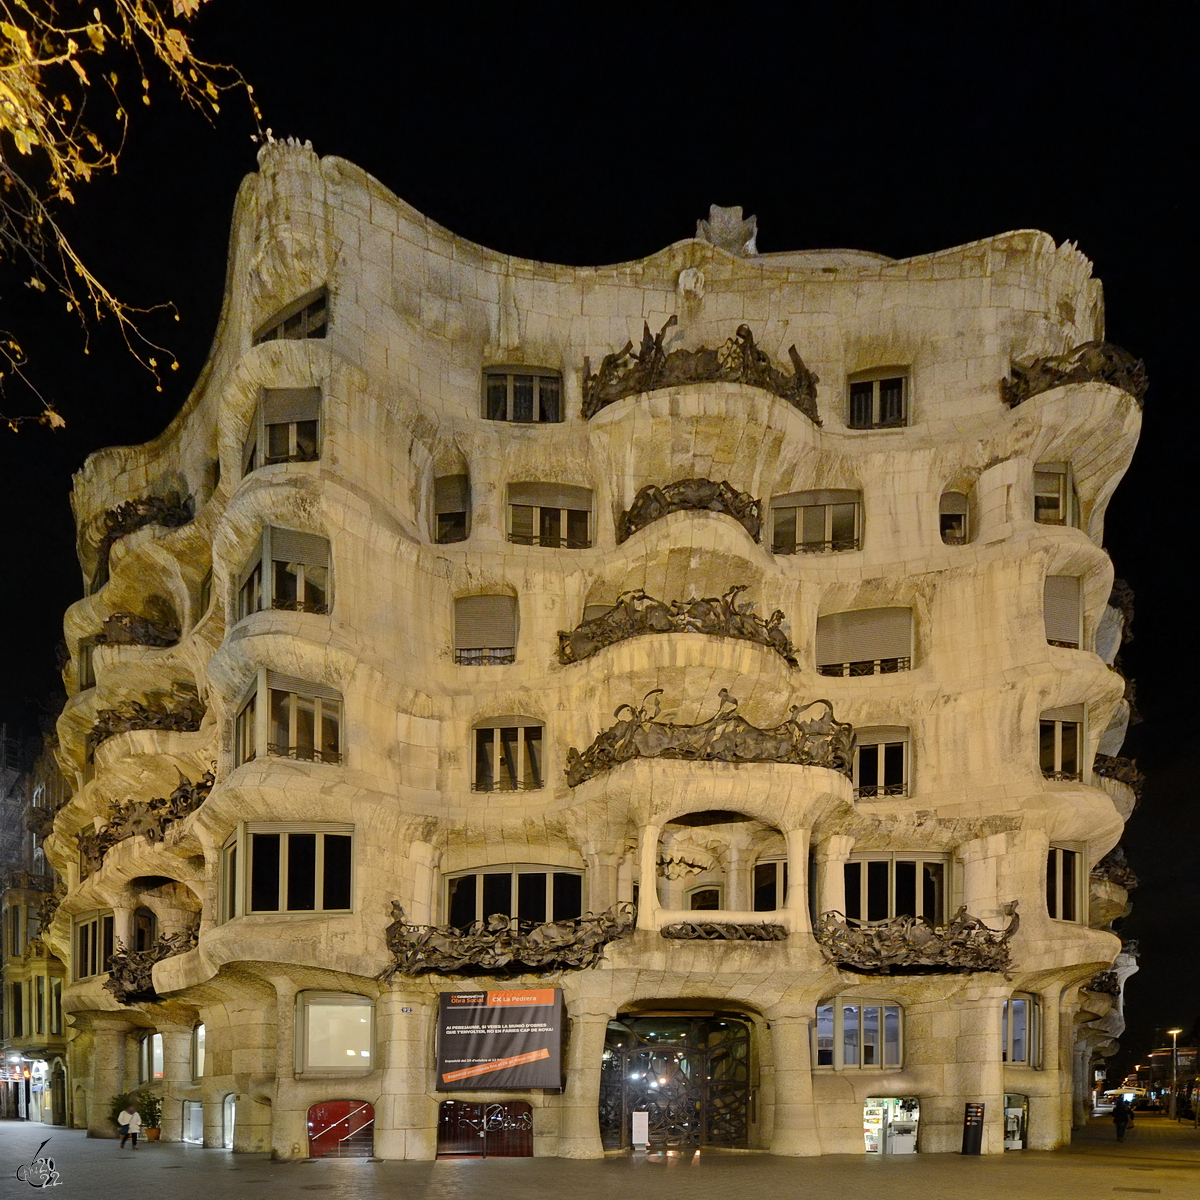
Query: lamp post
(1174, 1069)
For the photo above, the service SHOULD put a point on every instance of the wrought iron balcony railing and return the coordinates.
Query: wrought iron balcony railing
(491, 656)
(304, 753)
(869, 666)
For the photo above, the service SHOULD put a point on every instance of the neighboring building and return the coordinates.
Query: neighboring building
(32, 1031)
(428, 519)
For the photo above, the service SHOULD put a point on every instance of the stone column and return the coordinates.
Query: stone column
(739, 889)
(177, 1075)
(1046, 1125)
(795, 1127)
(123, 927)
(108, 1073)
(648, 877)
(406, 1115)
(797, 901)
(976, 1074)
(579, 1110)
(602, 864)
(980, 859)
(289, 1113)
(830, 857)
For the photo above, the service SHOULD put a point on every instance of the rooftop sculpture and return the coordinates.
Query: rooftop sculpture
(820, 741)
(636, 613)
(1091, 362)
(702, 495)
(739, 360)
(502, 944)
(914, 945)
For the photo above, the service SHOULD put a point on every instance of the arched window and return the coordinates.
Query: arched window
(1020, 1030)
(858, 1034)
(954, 518)
(885, 884)
(307, 317)
(508, 755)
(816, 522)
(706, 898)
(527, 891)
(865, 641)
(881, 762)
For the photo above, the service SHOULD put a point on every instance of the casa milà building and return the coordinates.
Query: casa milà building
(724, 639)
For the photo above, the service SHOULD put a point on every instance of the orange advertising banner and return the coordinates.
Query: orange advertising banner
(499, 1065)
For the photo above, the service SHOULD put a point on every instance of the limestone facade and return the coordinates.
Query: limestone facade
(379, 696)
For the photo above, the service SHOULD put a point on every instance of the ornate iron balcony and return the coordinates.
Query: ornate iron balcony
(829, 546)
(492, 656)
(1091, 362)
(131, 972)
(872, 791)
(304, 753)
(870, 666)
(724, 931)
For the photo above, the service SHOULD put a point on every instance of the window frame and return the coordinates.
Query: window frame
(252, 724)
(1066, 495)
(781, 883)
(257, 442)
(256, 590)
(1056, 717)
(691, 893)
(514, 871)
(310, 312)
(237, 865)
(309, 998)
(477, 656)
(1057, 891)
(85, 666)
(1033, 1031)
(828, 544)
(199, 1048)
(512, 371)
(920, 858)
(96, 956)
(463, 497)
(499, 725)
(837, 1050)
(944, 512)
(863, 667)
(889, 735)
(876, 378)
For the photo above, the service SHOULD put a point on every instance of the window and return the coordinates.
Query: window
(1063, 609)
(867, 641)
(286, 428)
(335, 1033)
(150, 1057)
(770, 885)
(451, 508)
(93, 944)
(529, 893)
(1064, 879)
(205, 594)
(307, 317)
(16, 943)
(704, 899)
(1054, 498)
(816, 522)
(198, 1052)
(288, 867)
(859, 1033)
(145, 929)
(39, 1004)
(550, 514)
(1060, 742)
(879, 400)
(301, 720)
(1020, 1032)
(86, 664)
(56, 1014)
(508, 755)
(297, 579)
(954, 518)
(883, 885)
(485, 630)
(881, 762)
(522, 394)
(17, 1021)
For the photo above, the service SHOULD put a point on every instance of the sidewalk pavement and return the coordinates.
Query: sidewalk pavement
(1158, 1159)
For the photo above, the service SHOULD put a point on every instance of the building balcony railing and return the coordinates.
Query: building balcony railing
(490, 656)
(868, 666)
(301, 456)
(874, 791)
(507, 785)
(304, 753)
(305, 606)
(724, 926)
(556, 541)
(131, 972)
(1062, 776)
(830, 546)
(1063, 645)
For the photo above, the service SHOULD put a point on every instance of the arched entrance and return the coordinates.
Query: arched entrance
(228, 1120)
(341, 1129)
(689, 1071)
(485, 1130)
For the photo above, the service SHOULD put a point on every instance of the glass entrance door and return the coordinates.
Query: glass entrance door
(485, 1130)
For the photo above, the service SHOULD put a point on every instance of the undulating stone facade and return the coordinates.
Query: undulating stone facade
(712, 637)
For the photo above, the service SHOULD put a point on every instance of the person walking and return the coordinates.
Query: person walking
(1122, 1116)
(130, 1122)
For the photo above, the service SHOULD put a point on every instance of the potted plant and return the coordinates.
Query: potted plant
(149, 1107)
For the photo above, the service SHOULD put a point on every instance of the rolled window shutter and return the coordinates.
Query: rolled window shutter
(302, 687)
(485, 622)
(283, 405)
(451, 494)
(1062, 608)
(864, 635)
(551, 495)
(953, 504)
(1070, 712)
(252, 562)
(824, 496)
(290, 545)
(880, 734)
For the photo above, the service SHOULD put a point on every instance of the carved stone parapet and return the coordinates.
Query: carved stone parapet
(636, 613)
(724, 931)
(820, 741)
(131, 972)
(146, 818)
(1123, 770)
(699, 495)
(1114, 868)
(504, 945)
(739, 360)
(1105, 983)
(1091, 362)
(133, 714)
(915, 946)
(128, 629)
(170, 510)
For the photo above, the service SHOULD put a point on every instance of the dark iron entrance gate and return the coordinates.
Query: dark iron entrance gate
(485, 1130)
(690, 1073)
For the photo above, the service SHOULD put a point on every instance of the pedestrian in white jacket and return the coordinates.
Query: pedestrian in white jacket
(130, 1123)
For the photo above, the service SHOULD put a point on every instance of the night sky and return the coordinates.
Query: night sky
(595, 134)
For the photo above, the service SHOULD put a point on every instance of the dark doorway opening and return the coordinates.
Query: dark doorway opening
(689, 1072)
(485, 1130)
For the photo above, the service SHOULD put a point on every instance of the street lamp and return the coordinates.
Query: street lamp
(1174, 1069)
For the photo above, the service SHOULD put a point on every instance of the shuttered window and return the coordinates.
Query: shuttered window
(524, 394)
(297, 579)
(1054, 498)
(307, 317)
(881, 762)
(866, 641)
(485, 630)
(816, 522)
(286, 428)
(954, 518)
(1062, 606)
(550, 514)
(1060, 742)
(451, 508)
